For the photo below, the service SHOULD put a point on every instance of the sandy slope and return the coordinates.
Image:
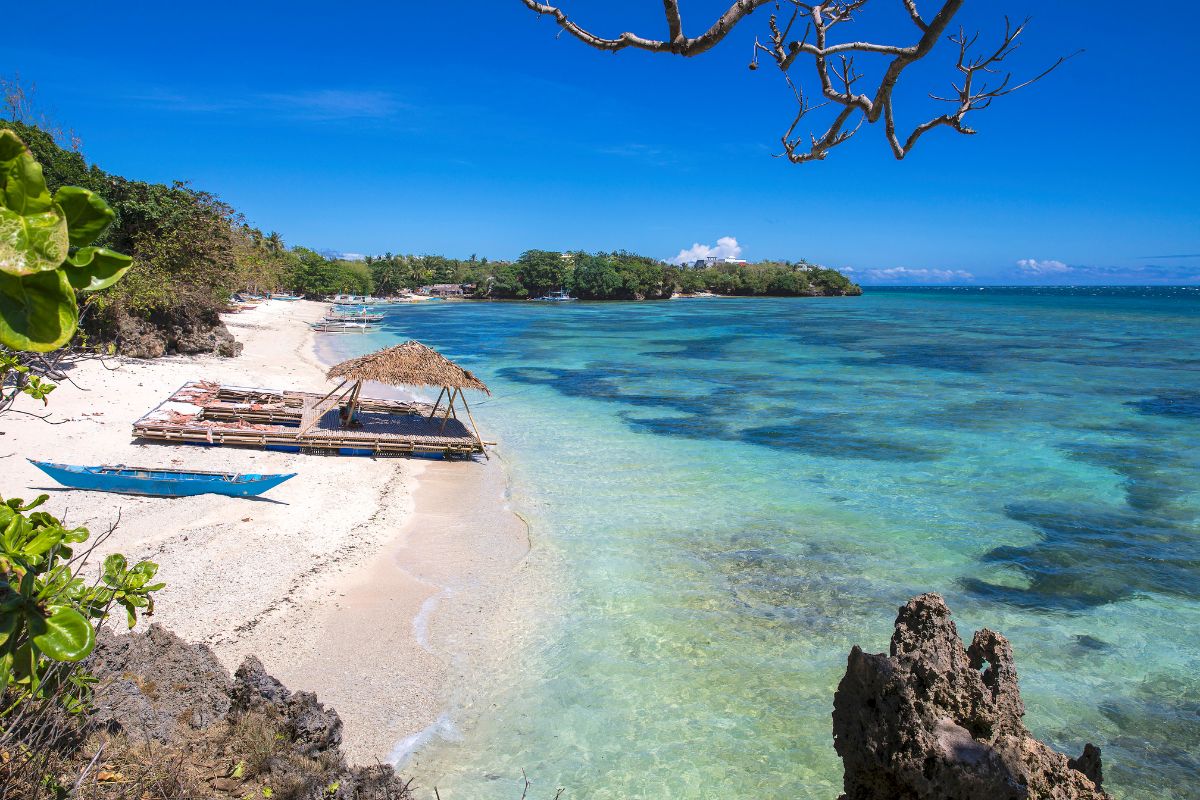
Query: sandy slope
(324, 578)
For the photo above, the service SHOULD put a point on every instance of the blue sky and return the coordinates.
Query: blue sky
(471, 128)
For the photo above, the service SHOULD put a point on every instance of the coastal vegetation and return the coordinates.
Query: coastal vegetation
(615, 275)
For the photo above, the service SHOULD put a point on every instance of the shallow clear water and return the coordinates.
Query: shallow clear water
(737, 491)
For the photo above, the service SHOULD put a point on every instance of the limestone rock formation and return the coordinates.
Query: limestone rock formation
(186, 329)
(225, 738)
(154, 681)
(313, 728)
(936, 721)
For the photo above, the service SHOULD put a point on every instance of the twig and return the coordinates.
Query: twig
(88, 768)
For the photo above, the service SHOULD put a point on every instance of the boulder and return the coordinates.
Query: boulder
(936, 721)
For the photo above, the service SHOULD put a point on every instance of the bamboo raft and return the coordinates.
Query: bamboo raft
(210, 414)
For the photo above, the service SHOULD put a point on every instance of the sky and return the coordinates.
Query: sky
(474, 128)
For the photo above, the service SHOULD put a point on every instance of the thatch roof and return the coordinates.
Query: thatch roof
(408, 364)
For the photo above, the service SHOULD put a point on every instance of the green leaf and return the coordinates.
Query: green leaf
(34, 503)
(46, 539)
(37, 312)
(31, 243)
(25, 189)
(86, 213)
(63, 635)
(8, 624)
(114, 569)
(11, 146)
(142, 572)
(76, 535)
(91, 269)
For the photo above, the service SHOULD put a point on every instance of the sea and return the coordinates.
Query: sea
(726, 495)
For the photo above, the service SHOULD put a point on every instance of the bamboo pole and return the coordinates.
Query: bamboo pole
(438, 403)
(317, 409)
(331, 394)
(474, 427)
(352, 402)
(446, 418)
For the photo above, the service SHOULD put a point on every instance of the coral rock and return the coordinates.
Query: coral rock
(936, 721)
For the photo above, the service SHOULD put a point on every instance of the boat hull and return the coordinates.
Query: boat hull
(159, 483)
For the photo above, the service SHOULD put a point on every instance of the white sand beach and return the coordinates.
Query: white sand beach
(369, 581)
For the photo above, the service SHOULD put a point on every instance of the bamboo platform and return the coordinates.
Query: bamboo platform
(210, 414)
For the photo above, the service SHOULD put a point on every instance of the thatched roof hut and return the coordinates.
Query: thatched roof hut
(408, 364)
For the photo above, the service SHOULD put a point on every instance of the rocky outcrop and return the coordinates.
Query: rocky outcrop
(936, 721)
(154, 681)
(184, 329)
(225, 738)
(312, 728)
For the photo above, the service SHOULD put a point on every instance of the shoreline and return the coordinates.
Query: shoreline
(330, 579)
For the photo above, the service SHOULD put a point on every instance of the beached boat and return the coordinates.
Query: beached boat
(160, 482)
(339, 318)
(340, 326)
(343, 314)
(557, 296)
(287, 297)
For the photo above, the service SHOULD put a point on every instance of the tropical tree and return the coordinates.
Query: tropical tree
(541, 271)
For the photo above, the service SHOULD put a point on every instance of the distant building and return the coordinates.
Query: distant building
(443, 290)
(713, 261)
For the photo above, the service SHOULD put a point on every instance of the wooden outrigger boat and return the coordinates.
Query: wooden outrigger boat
(160, 482)
(340, 326)
(356, 317)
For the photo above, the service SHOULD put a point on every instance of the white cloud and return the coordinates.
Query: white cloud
(726, 247)
(352, 256)
(1050, 266)
(911, 275)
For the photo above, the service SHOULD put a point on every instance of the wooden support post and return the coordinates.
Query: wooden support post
(352, 402)
(438, 403)
(449, 407)
(474, 427)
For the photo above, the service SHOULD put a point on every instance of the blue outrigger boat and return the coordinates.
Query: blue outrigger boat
(160, 482)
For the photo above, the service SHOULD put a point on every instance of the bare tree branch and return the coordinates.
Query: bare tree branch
(834, 64)
(677, 43)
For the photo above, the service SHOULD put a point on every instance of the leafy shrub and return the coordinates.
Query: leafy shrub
(48, 613)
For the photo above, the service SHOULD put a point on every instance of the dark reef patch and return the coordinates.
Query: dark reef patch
(1090, 556)
(1154, 478)
(836, 435)
(709, 349)
(1173, 404)
(930, 355)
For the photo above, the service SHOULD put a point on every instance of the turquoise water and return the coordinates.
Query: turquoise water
(737, 491)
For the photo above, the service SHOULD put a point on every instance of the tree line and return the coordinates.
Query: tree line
(616, 275)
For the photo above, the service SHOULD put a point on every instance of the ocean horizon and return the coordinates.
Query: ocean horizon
(727, 494)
